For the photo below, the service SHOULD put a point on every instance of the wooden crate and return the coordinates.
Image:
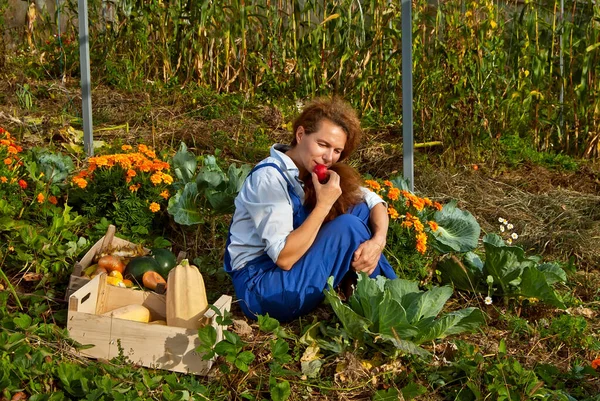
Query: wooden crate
(151, 345)
(76, 280)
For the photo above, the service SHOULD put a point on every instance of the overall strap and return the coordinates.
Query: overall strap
(290, 186)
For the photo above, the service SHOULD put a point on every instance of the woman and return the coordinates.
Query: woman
(280, 254)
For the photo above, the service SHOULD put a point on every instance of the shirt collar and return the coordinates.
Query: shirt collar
(278, 152)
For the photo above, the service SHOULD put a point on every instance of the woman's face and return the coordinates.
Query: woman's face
(321, 147)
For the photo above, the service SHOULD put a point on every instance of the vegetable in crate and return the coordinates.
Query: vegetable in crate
(110, 263)
(151, 280)
(186, 296)
(140, 265)
(136, 313)
(166, 260)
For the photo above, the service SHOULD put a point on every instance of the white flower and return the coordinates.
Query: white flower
(501, 229)
(488, 300)
(509, 226)
(505, 222)
(500, 220)
(509, 241)
(514, 235)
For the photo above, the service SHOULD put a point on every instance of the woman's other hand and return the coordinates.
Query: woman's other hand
(367, 256)
(327, 193)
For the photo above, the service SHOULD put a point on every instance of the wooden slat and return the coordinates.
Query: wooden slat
(153, 346)
(86, 298)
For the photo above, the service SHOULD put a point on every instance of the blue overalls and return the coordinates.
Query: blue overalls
(262, 287)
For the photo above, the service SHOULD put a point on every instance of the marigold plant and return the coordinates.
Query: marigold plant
(37, 229)
(129, 188)
(411, 217)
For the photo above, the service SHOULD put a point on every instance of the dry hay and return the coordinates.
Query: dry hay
(557, 223)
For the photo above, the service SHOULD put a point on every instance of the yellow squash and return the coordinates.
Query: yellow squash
(136, 313)
(186, 296)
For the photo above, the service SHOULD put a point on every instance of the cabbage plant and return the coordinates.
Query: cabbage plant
(396, 316)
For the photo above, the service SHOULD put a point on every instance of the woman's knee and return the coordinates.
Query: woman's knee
(346, 221)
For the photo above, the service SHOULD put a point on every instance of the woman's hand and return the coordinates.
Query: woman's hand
(327, 193)
(367, 256)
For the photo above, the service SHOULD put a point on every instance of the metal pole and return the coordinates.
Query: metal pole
(86, 89)
(407, 94)
(562, 67)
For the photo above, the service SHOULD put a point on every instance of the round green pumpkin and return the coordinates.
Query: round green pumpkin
(140, 265)
(166, 261)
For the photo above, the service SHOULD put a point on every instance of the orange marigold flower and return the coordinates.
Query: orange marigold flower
(433, 225)
(165, 194)
(428, 202)
(393, 213)
(596, 363)
(418, 225)
(5, 142)
(372, 184)
(126, 147)
(437, 205)
(100, 161)
(167, 179)
(8, 161)
(3, 179)
(394, 194)
(23, 184)
(131, 173)
(421, 243)
(150, 154)
(12, 150)
(52, 199)
(156, 178)
(418, 204)
(134, 188)
(142, 148)
(388, 183)
(145, 167)
(81, 182)
(159, 165)
(408, 221)
(154, 207)
(41, 198)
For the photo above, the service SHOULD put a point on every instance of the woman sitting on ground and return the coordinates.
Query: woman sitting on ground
(283, 246)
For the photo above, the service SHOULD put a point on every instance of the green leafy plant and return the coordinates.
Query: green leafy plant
(384, 312)
(506, 272)
(24, 96)
(203, 191)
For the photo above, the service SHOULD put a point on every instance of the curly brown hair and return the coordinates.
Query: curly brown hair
(337, 111)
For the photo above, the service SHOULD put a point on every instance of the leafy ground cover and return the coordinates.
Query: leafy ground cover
(518, 346)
